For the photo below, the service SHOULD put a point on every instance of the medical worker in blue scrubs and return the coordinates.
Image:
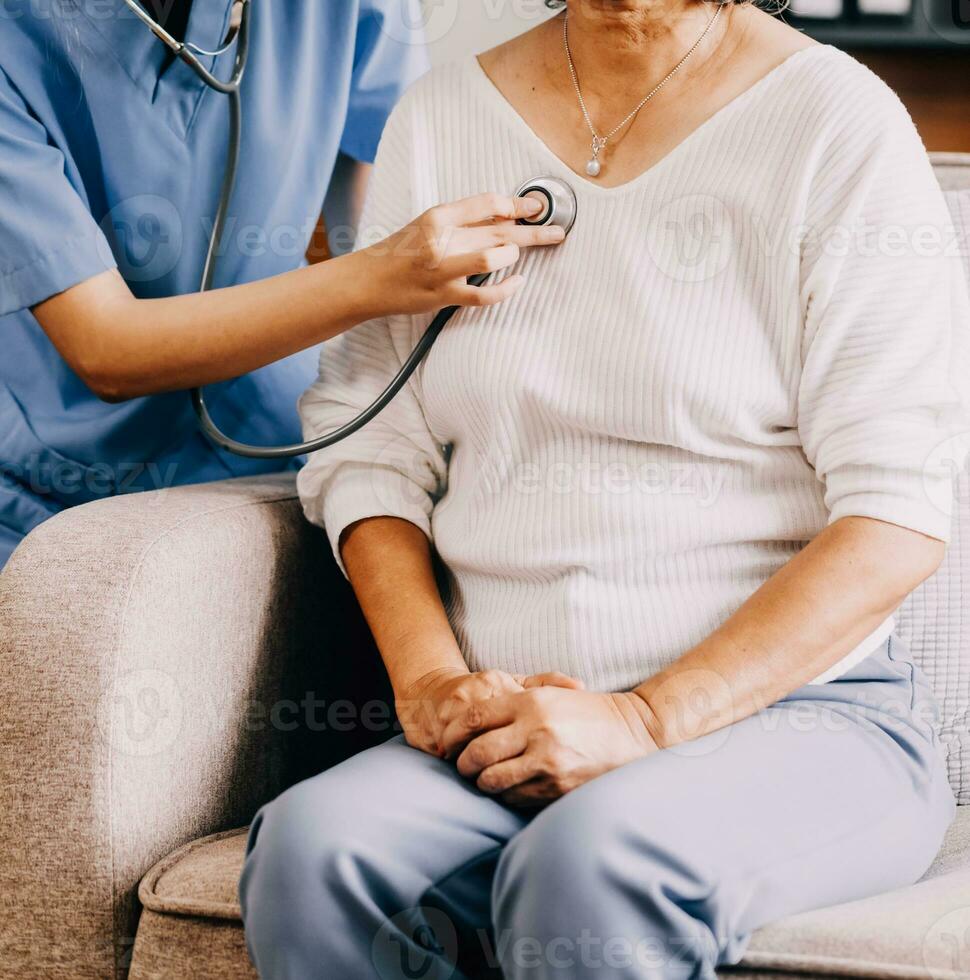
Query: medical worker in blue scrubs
(112, 154)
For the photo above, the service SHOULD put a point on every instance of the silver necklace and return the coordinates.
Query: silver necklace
(594, 167)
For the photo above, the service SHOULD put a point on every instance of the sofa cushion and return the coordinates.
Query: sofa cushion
(935, 621)
(952, 170)
(192, 926)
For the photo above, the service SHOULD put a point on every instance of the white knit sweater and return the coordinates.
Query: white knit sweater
(760, 335)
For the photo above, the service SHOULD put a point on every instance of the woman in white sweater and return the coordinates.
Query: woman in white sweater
(679, 484)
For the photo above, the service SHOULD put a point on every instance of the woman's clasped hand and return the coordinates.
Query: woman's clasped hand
(527, 739)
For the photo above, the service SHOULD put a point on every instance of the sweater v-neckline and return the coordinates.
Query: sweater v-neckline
(496, 96)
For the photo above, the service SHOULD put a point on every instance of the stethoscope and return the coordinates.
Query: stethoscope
(558, 201)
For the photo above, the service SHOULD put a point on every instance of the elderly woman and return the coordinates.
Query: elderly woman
(679, 484)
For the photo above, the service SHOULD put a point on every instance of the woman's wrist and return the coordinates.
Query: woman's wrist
(418, 665)
(641, 719)
(425, 683)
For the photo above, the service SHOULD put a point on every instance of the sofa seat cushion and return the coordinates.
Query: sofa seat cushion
(200, 878)
(191, 924)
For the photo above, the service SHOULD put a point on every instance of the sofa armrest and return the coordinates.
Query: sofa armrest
(155, 654)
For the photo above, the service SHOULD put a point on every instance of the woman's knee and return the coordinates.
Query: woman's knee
(304, 852)
(291, 843)
(576, 892)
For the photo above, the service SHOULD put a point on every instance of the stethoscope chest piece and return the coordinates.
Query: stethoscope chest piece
(558, 200)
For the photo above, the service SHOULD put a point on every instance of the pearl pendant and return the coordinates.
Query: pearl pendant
(594, 166)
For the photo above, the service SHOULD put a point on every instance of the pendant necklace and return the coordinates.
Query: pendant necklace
(595, 167)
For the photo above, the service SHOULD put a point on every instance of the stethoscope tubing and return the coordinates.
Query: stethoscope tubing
(404, 374)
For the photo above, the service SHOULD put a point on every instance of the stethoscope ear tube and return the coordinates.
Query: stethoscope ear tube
(238, 32)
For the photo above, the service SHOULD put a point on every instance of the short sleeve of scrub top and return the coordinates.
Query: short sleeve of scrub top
(390, 43)
(50, 241)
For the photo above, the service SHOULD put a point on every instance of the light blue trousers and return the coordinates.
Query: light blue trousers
(392, 865)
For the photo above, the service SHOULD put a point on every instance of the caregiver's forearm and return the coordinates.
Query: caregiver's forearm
(130, 347)
(802, 621)
(389, 564)
(125, 347)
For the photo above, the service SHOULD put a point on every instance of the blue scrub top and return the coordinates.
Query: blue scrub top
(111, 155)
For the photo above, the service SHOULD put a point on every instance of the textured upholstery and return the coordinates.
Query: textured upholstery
(195, 886)
(153, 649)
(952, 170)
(912, 932)
(146, 645)
(935, 621)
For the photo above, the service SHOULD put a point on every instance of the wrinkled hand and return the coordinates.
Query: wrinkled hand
(531, 747)
(440, 697)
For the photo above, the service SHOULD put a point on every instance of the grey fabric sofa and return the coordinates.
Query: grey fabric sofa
(170, 661)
